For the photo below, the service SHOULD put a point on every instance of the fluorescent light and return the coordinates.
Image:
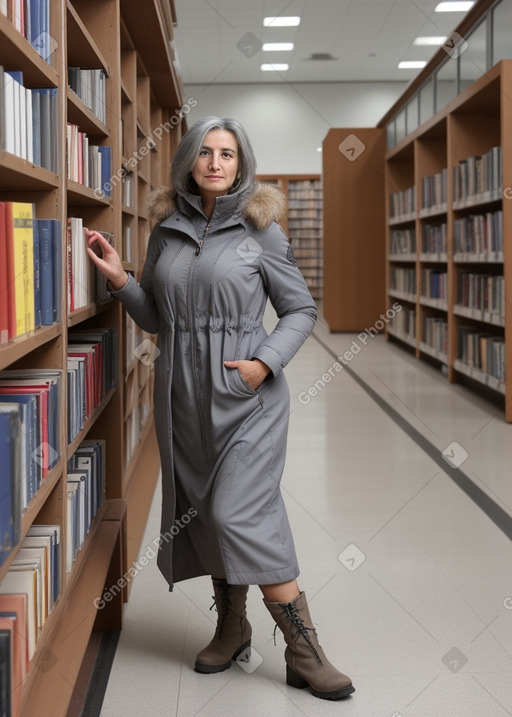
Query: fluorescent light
(426, 40)
(277, 46)
(411, 65)
(281, 21)
(274, 68)
(454, 6)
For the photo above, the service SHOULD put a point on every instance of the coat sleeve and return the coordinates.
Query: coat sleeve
(138, 298)
(290, 297)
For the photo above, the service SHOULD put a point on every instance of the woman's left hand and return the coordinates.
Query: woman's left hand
(252, 372)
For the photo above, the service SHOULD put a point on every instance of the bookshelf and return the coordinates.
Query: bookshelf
(126, 50)
(303, 224)
(453, 242)
(354, 226)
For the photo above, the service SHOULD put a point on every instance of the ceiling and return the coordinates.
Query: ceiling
(218, 41)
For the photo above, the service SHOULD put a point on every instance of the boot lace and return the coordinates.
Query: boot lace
(290, 611)
(224, 608)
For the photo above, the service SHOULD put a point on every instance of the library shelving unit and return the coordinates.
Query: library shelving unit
(449, 237)
(353, 183)
(132, 44)
(303, 224)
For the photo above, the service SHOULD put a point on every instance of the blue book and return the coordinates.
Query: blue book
(57, 268)
(35, 23)
(46, 156)
(10, 507)
(45, 231)
(31, 439)
(105, 169)
(37, 275)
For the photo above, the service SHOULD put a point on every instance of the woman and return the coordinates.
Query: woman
(221, 399)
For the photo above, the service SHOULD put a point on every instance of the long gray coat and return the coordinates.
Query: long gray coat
(222, 444)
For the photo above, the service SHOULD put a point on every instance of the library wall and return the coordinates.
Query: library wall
(287, 124)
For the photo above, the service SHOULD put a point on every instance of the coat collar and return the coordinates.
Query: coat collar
(261, 205)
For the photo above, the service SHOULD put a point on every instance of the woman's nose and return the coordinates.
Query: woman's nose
(214, 160)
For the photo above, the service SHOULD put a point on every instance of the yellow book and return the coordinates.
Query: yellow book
(23, 215)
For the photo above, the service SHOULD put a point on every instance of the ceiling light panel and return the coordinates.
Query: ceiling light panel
(281, 21)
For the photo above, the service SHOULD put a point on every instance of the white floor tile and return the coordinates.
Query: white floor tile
(408, 580)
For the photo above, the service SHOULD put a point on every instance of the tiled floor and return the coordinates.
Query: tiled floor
(409, 581)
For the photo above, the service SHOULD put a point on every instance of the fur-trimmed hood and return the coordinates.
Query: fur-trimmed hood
(262, 206)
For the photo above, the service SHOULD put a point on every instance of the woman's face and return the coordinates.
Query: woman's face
(216, 167)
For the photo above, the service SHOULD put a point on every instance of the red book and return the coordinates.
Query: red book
(42, 392)
(4, 284)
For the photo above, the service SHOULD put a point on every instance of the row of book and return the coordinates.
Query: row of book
(30, 270)
(434, 238)
(32, 19)
(402, 241)
(29, 121)
(87, 164)
(434, 284)
(90, 87)
(483, 292)
(307, 202)
(85, 283)
(435, 333)
(433, 189)
(29, 442)
(401, 203)
(482, 351)
(404, 323)
(403, 280)
(480, 234)
(303, 213)
(91, 373)
(85, 494)
(28, 594)
(305, 233)
(478, 175)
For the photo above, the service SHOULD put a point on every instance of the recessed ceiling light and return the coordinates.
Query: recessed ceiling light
(454, 6)
(318, 149)
(426, 40)
(277, 46)
(275, 68)
(411, 65)
(281, 21)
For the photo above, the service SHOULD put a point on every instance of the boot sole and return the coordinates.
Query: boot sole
(211, 669)
(295, 680)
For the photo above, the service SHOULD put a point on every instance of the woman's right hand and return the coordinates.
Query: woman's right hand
(106, 258)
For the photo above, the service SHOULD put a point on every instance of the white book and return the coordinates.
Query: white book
(36, 557)
(29, 125)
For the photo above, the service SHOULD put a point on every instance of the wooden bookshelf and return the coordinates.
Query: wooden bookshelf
(354, 228)
(472, 300)
(303, 223)
(132, 45)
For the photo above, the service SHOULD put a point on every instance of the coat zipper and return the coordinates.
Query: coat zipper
(200, 245)
(192, 337)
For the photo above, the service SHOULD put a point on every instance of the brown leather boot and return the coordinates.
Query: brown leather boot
(306, 663)
(232, 637)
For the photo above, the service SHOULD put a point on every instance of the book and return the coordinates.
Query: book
(22, 214)
(24, 582)
(4, 286)
(10, 479)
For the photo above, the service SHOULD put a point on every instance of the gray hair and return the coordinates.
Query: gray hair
(188, 152)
